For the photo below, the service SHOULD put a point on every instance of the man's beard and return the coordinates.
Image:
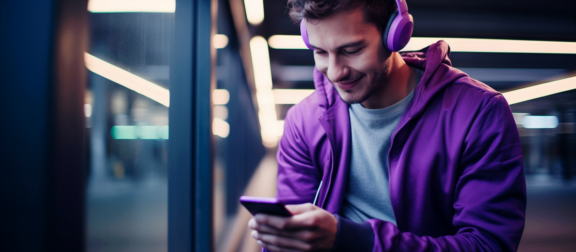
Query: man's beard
(373, 87)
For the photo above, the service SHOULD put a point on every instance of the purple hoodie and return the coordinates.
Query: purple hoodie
(455, 164)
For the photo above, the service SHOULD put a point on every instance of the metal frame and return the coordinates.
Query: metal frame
(190, 144)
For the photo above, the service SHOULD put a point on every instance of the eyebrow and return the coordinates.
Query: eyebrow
(351, 44)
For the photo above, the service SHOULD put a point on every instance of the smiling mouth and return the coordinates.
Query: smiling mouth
(349, 84)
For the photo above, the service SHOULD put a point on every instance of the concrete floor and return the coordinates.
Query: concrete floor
(128, 216)
(550, 215)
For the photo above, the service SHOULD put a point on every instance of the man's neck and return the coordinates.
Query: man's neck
(400, 82)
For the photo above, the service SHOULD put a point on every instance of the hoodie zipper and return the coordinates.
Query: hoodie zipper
(330, 177)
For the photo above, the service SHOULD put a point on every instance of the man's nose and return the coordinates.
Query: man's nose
(336, 70)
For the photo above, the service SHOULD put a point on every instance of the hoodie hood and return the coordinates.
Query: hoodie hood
(438, 73)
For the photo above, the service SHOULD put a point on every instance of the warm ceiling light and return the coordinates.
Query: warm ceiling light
(127, 79)
(220, 128)
(87, 110)
(264, 95)
(496, 45)
(220, 112)
(540, 90)
(279, 128)
(220, 96)
(291, 96)
(456, 45)
(286, 42)
(220, 41)
(254, 11)
(110, 6)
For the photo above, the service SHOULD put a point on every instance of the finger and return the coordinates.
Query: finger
(273, 248)
(301, 208)
(252, 224)
(307, 220)
(283, 242)
(302, 235)
(271, 220)
(267, 229)
(303, 220)
(299, 221)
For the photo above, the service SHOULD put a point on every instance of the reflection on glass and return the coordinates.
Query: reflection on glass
(127, 130)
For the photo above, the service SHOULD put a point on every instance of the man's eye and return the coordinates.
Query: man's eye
(319, 52)
(352, 52)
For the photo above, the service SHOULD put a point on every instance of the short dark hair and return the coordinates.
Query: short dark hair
(375, 11)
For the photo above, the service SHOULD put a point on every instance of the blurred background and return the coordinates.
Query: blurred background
(257, 69)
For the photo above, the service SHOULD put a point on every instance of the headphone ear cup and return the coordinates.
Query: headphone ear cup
(387, 30)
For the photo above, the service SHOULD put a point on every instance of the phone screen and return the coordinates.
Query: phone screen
(272, 206)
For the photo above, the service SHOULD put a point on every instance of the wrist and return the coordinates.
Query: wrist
(352, 236)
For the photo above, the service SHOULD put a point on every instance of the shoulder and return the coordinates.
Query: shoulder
(472, 92)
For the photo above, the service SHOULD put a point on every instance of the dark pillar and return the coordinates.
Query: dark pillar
(41, 104)
(190, 147)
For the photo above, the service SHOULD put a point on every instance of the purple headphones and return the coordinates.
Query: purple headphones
(398, 30)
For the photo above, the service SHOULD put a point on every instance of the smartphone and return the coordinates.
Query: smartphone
(272, 206)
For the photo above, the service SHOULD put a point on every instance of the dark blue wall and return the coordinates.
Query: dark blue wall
(24, 104)
(41, 97)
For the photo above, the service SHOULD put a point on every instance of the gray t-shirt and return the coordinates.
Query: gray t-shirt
(367, 195)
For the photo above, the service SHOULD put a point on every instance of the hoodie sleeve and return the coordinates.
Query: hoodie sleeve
(490, 196)
(298, 179)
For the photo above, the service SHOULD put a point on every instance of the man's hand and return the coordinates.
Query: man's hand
(309, 229)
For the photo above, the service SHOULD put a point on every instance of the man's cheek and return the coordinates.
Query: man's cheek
(321, 65)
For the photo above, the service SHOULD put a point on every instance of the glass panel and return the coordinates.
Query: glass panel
(127, 124)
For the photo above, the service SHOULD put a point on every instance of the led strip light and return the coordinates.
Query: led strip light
(456, 45)
(119, 6)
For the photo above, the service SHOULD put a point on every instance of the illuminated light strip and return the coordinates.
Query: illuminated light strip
(254, 11)
(127, 79)
(456, 45)
(120, 132)
(279, 128)
(294, 96)
(220, 112)
(220, 41)
(115, 6)
(157, 93)
(139, 132)
(496, 45)
(287, 42)
(291, 96)
(540, 122)
(220, 96)
(264, 95)
(220, 128)
(540, 90)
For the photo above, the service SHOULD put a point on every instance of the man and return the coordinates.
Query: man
(404, 152)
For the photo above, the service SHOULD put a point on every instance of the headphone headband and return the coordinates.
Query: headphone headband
(398, 30)
(402, 6)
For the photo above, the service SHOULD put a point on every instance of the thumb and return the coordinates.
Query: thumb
(301, 208)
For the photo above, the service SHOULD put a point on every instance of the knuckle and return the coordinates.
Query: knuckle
(282, 225)
(275, 241)
(264, 219)
(307, 247)
(312, 221)
(308, 236)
